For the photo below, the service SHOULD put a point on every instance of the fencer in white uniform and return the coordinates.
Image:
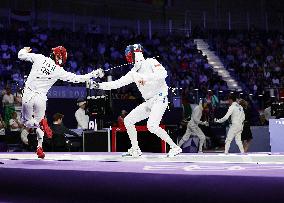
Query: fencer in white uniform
(149, 76)
(192, 126)
(44, 73)
(235, 131)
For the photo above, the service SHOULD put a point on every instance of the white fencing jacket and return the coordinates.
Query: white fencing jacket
(237, 114)
(151, 71)
(45, 73)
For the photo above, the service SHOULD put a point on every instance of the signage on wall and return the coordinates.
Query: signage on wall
(66, 92)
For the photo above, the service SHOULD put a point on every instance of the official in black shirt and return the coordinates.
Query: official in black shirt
(59, 130)
(246, 133)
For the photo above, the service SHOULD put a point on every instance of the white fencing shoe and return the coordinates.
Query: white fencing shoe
(174, 151)
(132, 152)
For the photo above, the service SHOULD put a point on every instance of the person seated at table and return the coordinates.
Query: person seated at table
(59, 133)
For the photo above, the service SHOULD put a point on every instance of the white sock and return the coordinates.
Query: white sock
(40, 135)
(132, 133)
(164, 136)
(227, 147)
(201, 143)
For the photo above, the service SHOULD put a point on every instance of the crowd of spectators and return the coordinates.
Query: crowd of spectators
(256, 58)
(186, 65)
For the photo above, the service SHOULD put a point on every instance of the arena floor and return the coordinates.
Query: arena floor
(254, 158)
(108, 177)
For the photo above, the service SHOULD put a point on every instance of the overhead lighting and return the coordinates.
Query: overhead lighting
(260, 95)
(196, 89)
(250, 94)
(220, 91)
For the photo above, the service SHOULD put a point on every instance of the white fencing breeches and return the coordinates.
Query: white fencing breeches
(33, 111)
(193, 130)
(235, 131)
(153, 108)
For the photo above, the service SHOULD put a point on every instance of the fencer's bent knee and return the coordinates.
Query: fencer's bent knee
(202, 138)
(238, 142)
(228, 140)
(152, 128)
(186, 137)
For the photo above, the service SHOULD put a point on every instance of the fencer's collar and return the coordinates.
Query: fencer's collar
(139, 57)
(138, 63)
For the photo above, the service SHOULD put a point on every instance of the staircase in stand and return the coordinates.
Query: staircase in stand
(218, 66)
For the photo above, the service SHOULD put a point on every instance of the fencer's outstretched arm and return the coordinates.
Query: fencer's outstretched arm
(71, 77)
(25, 55)
(228, 114)
(124, 80)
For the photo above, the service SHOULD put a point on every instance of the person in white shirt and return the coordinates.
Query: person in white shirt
(237, 117)
(44, 73)
(24, 135)
(8, 104)
(8, 98)
(192, 126)
(2, 126)
(149, 76)
(80, 115)
(14, 124)
(275, 80)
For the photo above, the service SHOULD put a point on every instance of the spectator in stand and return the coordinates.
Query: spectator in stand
(2, 126)
(8, 97)
(185, 99)
(18, 102)
(179, 54)
(203, 78)
(255, 57)
(212, 99)
(14, 124)
(8, 103)
(275, 81)
(24, 136)
(213, 103)
(120, 119)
